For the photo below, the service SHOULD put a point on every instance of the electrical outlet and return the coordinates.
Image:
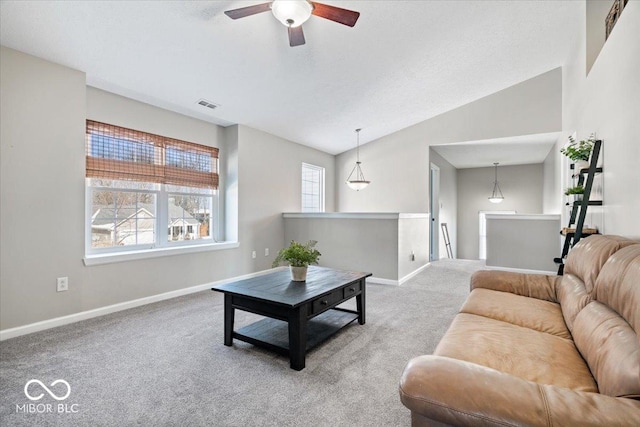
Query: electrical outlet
(266, 252)
(63, 284)
(412, 257)
(253, 254)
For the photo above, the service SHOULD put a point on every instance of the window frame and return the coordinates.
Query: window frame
(161, 223)
(321, 187)
(162, 193)
(213, 222)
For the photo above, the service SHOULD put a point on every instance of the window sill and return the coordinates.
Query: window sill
(99, 259)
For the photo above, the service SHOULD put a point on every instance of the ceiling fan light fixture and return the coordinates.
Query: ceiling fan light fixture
(292, 13)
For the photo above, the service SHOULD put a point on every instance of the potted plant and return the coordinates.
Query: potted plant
(579, 152)
(298, 256)
(576, 191)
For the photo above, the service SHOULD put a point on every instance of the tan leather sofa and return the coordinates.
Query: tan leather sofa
(536, 350)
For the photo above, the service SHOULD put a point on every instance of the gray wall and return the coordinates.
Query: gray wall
(381, 246)
(43, 112)
(398, 164)
(551, 175)
(269, 184)
(523, 241)
(522, 189)
(42, 108)
(448, 202)
(369, 245)
(413, 237)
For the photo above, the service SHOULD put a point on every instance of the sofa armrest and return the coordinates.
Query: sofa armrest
(538, 286)
(461, 393)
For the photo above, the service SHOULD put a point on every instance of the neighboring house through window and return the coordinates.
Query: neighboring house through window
(146, 191)
(312, 188)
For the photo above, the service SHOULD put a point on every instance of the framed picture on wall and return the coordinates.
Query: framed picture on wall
(614, 14)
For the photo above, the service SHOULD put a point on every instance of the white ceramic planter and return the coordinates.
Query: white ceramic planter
(298, 274)
(581, 164)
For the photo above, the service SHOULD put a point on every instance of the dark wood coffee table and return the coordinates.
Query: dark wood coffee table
(299, 315)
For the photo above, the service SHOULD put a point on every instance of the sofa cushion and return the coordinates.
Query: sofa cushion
(532, 313)
(526, 353)
(573, 297)
(587, 258)
(611, 349)
(537, 286)
(606, 331)
(618, 285)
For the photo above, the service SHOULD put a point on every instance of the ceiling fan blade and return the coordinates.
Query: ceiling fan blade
(336, 14)
(248, 11)
(296, 36)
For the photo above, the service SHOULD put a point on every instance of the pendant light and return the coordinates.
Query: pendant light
(496, 195)
(356, 179)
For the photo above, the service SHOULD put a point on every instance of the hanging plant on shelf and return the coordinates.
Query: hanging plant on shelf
(578, 189)
(576, 192)
(579, 151)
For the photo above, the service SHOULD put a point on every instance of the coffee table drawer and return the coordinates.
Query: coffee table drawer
(351, 290)
(326, 301)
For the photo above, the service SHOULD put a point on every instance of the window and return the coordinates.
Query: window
(146, 191)
(312, 188)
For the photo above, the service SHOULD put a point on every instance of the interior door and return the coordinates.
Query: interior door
(434, 209)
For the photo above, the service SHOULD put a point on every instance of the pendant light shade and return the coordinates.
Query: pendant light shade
(356, 180)
(496, 195)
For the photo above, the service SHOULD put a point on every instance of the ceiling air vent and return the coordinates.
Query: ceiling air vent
(208, 104)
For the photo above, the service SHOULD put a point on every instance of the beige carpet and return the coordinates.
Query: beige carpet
(164, 364)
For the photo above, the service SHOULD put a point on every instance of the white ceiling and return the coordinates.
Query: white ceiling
(528, 149)
(403, 62)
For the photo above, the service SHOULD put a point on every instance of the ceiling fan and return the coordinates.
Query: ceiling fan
(293, 13)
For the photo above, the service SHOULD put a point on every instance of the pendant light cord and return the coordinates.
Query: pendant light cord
(358, 145)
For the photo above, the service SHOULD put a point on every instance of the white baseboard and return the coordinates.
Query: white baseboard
(522, 270)
(89, 314)
(382, 281)
(412, 274)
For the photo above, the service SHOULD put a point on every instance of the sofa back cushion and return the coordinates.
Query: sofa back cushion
(583, 265)
(587, 258)
(606, 330)
(573, 297)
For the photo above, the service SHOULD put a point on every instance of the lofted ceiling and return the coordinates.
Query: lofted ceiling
(519, 150)
(403, 62)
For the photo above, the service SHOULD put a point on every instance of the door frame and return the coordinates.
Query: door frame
(434, 212)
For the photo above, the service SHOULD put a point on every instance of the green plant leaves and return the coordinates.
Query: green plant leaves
(578, 189)
(298, 255)
(578, 151)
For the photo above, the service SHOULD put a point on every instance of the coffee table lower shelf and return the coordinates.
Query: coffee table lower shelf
(273, 334)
